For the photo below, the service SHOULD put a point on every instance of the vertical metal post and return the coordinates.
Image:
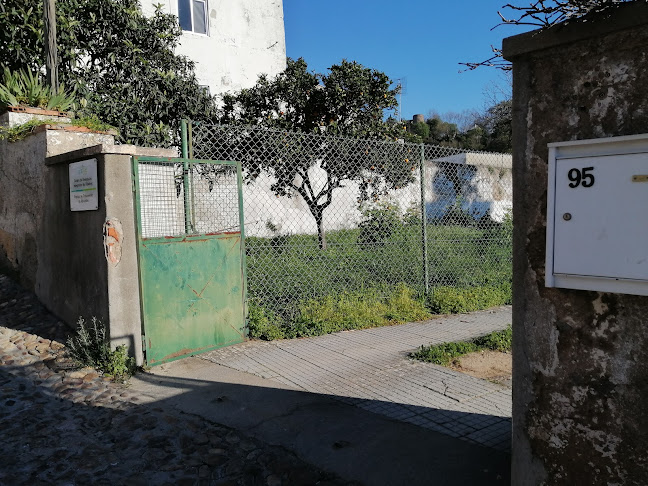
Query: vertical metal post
(186, 183)
(51, 54)
(190, 140)
(426, 270)
(183, 139)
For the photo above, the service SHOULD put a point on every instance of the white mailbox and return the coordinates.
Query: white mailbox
(597, 215)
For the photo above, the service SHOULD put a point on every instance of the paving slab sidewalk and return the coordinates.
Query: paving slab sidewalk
(353, 404)
(370, 369)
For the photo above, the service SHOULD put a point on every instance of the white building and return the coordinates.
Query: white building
(231, 41)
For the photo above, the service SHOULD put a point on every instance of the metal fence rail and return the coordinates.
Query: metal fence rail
(329, 215)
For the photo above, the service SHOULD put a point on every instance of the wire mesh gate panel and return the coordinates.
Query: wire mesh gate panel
(330, 216)
(191, 255)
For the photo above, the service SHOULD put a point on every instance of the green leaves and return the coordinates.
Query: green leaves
(350, 100)
(24, 88)
(444, 354)
(121, 63)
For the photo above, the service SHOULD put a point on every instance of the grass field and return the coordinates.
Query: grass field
(297, 289)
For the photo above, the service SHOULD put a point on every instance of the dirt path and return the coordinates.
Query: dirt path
(487, 365)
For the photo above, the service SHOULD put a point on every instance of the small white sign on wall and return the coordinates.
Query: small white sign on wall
(84, 194)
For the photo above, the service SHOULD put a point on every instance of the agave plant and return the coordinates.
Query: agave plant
(24, 88)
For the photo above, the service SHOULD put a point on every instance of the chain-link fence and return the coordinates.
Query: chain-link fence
(211, 205)
(329, 216)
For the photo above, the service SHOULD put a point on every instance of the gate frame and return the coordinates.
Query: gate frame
(187, 164)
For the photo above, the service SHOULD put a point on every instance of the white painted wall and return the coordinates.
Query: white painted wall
(246, 38)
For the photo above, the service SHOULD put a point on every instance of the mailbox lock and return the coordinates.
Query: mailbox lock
(567, 216)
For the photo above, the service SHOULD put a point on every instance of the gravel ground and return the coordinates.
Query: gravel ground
(68, 426)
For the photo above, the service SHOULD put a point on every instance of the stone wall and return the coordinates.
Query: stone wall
(22, 198)
(580, 358)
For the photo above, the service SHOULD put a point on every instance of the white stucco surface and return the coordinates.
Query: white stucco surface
(246, 38)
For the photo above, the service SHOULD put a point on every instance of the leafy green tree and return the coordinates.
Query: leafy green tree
(442, 132)
(121, 63)
(497, 124)
(349, 100)
(420, 129)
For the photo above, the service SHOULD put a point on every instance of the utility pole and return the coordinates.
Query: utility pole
(51, 54)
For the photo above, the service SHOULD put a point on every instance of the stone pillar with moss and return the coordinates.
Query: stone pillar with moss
(580, 358)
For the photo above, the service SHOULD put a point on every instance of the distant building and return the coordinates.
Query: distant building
(232, 42)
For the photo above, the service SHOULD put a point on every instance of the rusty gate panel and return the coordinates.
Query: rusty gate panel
(191, 256)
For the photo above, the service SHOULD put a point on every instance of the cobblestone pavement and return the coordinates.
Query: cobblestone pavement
(370, 369)
(66, 426)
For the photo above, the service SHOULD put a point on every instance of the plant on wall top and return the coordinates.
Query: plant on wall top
(24, 88)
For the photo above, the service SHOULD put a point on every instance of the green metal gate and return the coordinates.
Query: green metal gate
(191, 255)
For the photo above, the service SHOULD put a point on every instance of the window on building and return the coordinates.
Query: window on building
(193, 15)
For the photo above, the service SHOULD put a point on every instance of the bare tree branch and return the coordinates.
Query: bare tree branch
(544, 14)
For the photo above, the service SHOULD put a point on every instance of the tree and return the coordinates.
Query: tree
(497, 125)
(120, 63)
(490, 130)
(349, 100)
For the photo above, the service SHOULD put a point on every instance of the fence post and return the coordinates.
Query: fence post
(190, 150)
(185, 177)
(426, 275)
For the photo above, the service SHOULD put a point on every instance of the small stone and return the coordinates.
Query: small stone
(273, 480)
(303, 477)
(214, 460)
(76, 375)
(72, 381)
(247, 446)
(233, 438)
(200, 439)
(91, 376)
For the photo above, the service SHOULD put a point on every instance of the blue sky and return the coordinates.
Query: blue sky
(421, 40)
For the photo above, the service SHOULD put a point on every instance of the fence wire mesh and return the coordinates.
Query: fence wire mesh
(210, 204)
(330, 216)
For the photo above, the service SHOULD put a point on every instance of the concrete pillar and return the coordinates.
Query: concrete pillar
(580, 358)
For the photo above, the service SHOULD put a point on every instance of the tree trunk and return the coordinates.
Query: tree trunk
(51, 54)
(321, 235)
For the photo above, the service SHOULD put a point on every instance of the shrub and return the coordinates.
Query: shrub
(452, 300)
(333, 313)
(263, 323)
(90, 348)
(444, 354)
(379, 224)
(496, 341)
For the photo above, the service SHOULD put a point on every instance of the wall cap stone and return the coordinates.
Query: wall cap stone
(623, 17)
(103, 149)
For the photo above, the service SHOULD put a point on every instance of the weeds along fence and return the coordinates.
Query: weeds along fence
(340, 218)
